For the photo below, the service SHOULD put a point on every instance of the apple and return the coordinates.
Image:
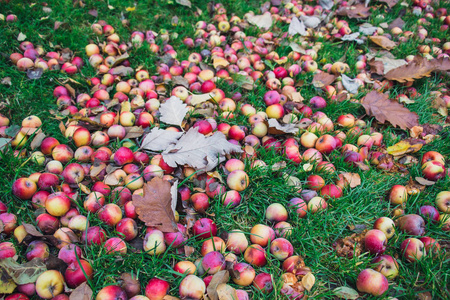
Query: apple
(69, 253)
(231, 199)
(246, 274)
(7, 249)
(94, 235)
(156, 289)
(386, 265)
(8, 222)
(317, 204)
(48, 224)
(115, 246)
(24, 188)
(432, 156)
(263, 282)
(255, 255)
(262, 234)
(430, 213)
(299, 205)
(57, 204)
(411, 224)
(192, 287)
(412, 249)
(238, 180)
(375, 241)
(127, 229)
(326, 144)
(73, 173)
(154, 242)
(76, 273)
(47, 181)
(431, 245)
(443, 201)
(49, 284)
(433, 170)
(281, 248)
(398, 195)
(213, 262)
(37, 249)
(123, 156)
(276, 212)
(308, 139)
(386, 225)
(204, 228)
(200, 202)
(111, 292)
(372, 282)
(236, 242)
(213, 244)
(62, 153)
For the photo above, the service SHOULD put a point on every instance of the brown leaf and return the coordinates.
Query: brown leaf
(37, 140)
(54, 263)
(155, 207)
(226, 292)
(188, 250)
(6, 81)
(423, 181)
(376, 66)
(70, 89)
(413, 187)
(419, 67)
(134, 132)
(82, 292)
(397, 23)
(379, 105)
(390, 3)
(180, 80)
(358, 11)
(93, 12)
(84, 188)
(352, 178)
(383, 42)
(218, 278)
(362, 166)
(31, 230)
(274, 127)
(122, 71)
(323, 79)
(220, 62)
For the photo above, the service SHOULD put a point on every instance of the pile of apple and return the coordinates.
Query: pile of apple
(98, 173)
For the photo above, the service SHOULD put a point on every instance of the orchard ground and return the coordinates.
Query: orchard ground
(313, 236)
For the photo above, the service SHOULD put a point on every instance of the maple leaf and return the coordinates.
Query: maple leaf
(276, 128)
(379, 105)
(154, 208)
(323, 79)
(198, 151)
(159, 139)
(383, 42)
(352, 178)
(173, 111)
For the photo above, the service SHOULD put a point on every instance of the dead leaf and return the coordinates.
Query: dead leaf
(388, 63)
(134, 132)
(226, 292)
(121, 71)
(155, 207)
(21, 37)
(357, 228)
(35, 73)
(419, 67)
(352, 178)
(31, 230)
(158, 139)
(362, 166)
(7, 285)
(93, 12)
(367, 29)
(390, 3)
(84, 188)
(180, 80)
(310, 21)
(263, 21)
(323, 79)
(296, 47)
(220, 62)
(173, 111)
(358, 11)
(23, 273)
(188, 250)
(297, 26)
(199, 151)
(58, 24)
(383, 42)
(4, 142)
(37, 140)
(184, 2)
(397, 23)
(276, 128)
(278, 166)
(345, 292)
(404, 147)
(296, 97)
(413, 187)
(243, 81)
(376, 67)
(326, 4)
(351, 85)
(6, 81)
(379, 105)
(423, 181)
(82, 292)
(308, 281)
(218, 278)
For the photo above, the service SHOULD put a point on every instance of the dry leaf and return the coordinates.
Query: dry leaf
(93, 12)
(180, 80)
(379, 105)
(308, 281)
(310, 21)
(198, 99)
(387, 64)
(21, 37)
(218, 278)
(158, 139)
(296, 97)
(278, 166)
(390, 3)
(362, 166)
(173, 111)
(297, 48)
(297, 26)
(84, 188)
(344, 292)
(184, 2)
(199, 151)
(226, 292)
(243, 81)
(23, 273)
(405, 147)
(397, 23)
(263, 21)
(37, 140)
(7, 285)
(82, 292)
(155, 207)
(359, 11)
(424, 181)
(323, 79)
(352, 178)
(121, 71)
(383, 42)
(220, 62)
(276, 128)
(419, 67)
(351, 85)
(6, 81)
(134, 132)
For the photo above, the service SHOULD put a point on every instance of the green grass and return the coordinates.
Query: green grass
(312, 236)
